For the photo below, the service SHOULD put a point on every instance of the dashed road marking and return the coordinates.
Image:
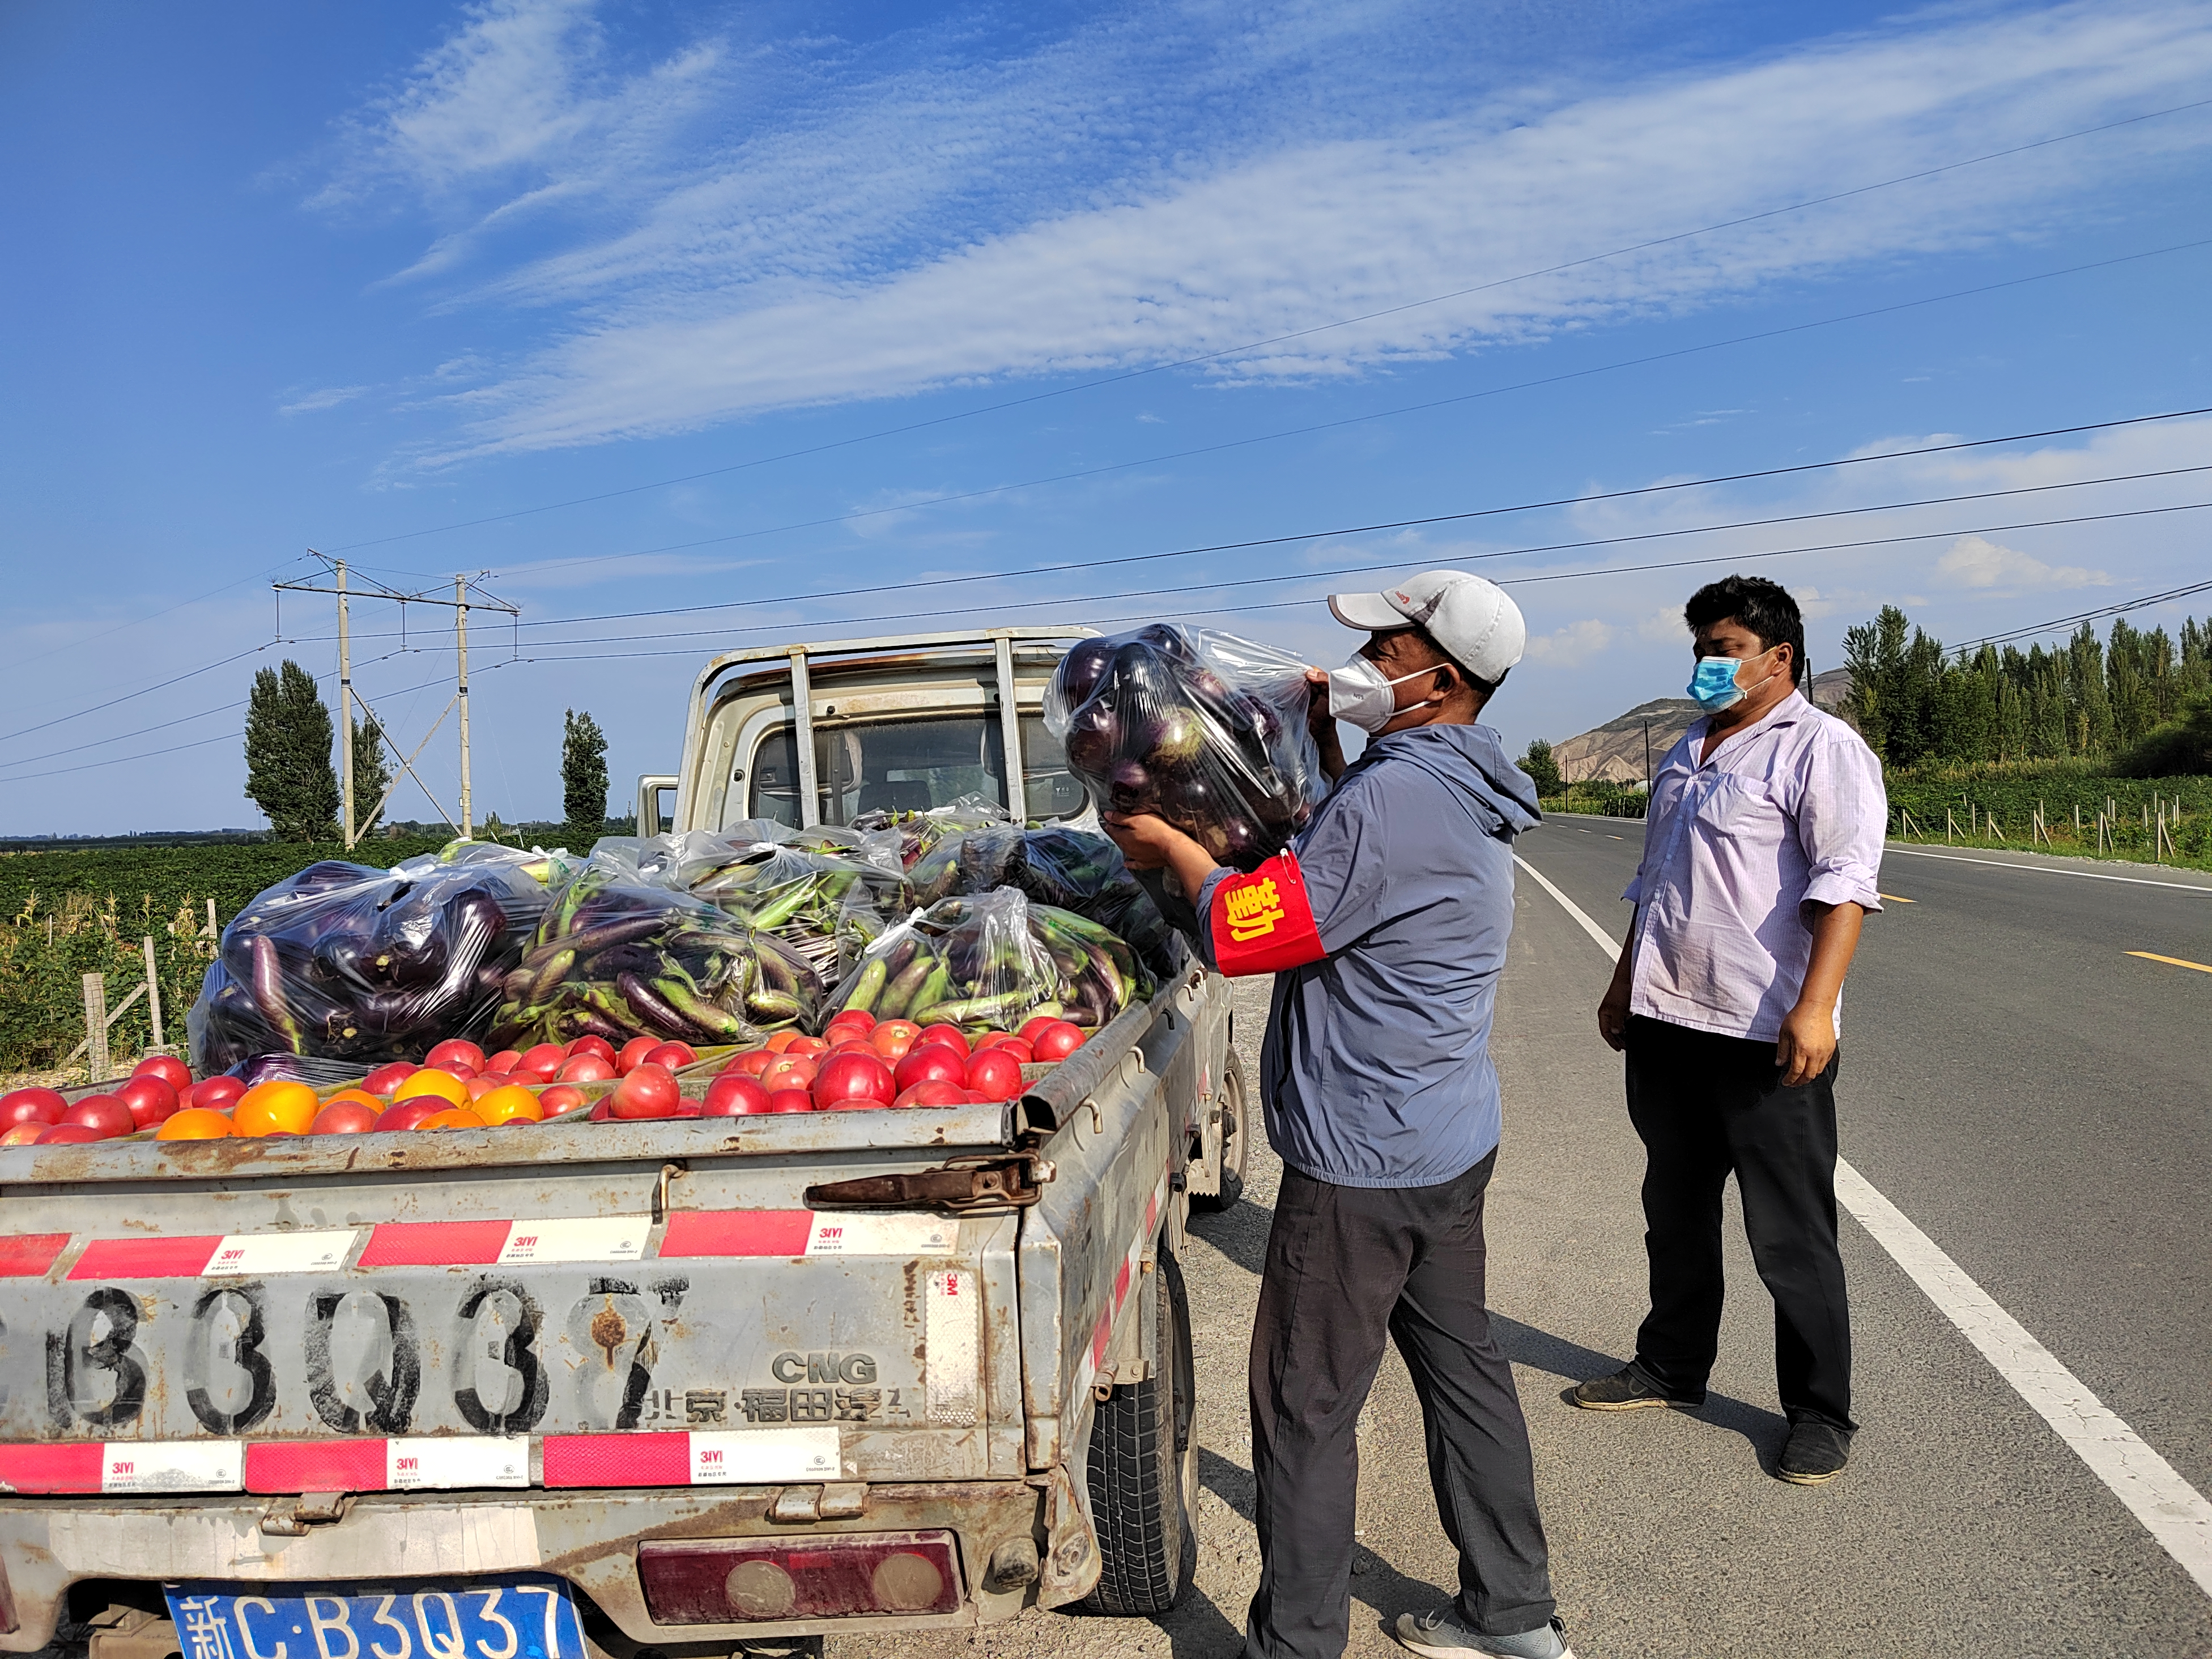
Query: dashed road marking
(2172, 1510)
(2171, 961)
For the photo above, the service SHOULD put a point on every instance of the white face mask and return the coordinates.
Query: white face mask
(1359, 695)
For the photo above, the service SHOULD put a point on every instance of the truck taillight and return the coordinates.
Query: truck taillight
(731, 1580)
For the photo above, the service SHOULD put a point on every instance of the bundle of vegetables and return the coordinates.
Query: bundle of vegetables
(994, 959)
(1202, 728)
(919, 833)
(344, 961)
(1069, 868)
(620, 955)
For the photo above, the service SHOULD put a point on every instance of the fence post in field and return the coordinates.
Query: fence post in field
(154, 994)
(1950, 824)
(95, 1025)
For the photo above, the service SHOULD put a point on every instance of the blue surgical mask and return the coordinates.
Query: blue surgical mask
(1714, 683)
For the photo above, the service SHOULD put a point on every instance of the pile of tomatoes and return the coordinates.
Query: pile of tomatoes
(858, 1063)
(157, 1089)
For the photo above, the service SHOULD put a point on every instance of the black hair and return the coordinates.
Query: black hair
(1763, 607)
(1483, 689)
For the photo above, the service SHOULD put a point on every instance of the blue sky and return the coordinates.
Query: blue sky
(302, 276)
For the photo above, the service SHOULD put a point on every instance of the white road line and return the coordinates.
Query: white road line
(2050, 869)
(2174, 1513)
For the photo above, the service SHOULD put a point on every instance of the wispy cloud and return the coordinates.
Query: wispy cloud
(329, 397)
(1573, 644)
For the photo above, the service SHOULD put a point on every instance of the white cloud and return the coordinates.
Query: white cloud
(329, 397)
(1977, 561)
(1573, 644)
(733, 286)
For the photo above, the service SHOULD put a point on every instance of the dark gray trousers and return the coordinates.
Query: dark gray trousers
(1347, 1267)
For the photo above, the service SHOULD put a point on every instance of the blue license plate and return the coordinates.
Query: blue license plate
(440, 1618)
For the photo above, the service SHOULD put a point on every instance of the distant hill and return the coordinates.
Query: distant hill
(1615, 751)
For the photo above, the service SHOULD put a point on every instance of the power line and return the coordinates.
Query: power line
(2081, 617)
(1357, 420)
(1296, 334)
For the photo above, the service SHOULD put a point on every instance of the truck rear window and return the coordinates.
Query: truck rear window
(905, 766)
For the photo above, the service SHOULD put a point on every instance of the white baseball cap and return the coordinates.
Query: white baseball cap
(1471, 617)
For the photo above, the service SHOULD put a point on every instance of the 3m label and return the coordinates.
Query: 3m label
(172, 1466)
(254, 1254)
(585, 1238)
(882, 1235)
(491, 1461)
(749, 1457)
(952, 1312)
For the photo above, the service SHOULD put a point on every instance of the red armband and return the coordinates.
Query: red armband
(1261, 923)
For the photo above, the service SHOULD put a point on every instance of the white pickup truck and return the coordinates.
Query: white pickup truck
(653, 1390)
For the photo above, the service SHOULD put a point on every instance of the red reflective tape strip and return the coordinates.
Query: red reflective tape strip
(145, 1258)
(1102, 1335)
(436, 1244)
(315, 1465)
(28, 1255)
(737, 1232)
(1122, 1284)
(73, 1466)
(617, 1460)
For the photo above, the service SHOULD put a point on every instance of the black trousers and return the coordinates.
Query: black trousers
(1346, 1267)
(1707, 1105)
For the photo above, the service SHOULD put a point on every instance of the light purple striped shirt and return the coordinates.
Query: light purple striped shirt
(1789, 810)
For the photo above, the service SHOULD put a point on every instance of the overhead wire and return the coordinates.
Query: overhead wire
(1296, 334)
(2081, 617)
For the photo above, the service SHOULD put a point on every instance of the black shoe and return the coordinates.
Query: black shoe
(1626, 1390)
(1815, 1455)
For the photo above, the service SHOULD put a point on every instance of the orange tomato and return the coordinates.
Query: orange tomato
(503, 1105)
(431, 1081)
(279, 1104)
(359, 1096)
(196, 1123)
(454, 1117)
(779, 1041)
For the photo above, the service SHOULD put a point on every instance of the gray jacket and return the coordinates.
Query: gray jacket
(1376, 1069)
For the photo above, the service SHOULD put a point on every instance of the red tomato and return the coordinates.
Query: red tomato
(148, 1097)
(860, 1016)
(951, 1036)
(791, 1100)
(167, 1067)
(343, 1117)
(409, 1112)
(561, 1097)
(789, 1072)
(673, 1054)
(104, 1115)
(634, 1054)
(893, 1038)
(806, 1045)
(991, 1040)
(591, 1045)
(848, 1037)
(67, 1134)
(733, 1094)
(649, 1090)
(590, 1066)
(38, 1106)
(935, 1091)
(478, 1087)
(24, 1134)
(995, 1074)
(385, 1080)
(852, 1077)
(930, 1060)
(779, 1041)
(1031, 1027)
(753, 1062)
(506, 1062)
(1057, 1040)
(218, 1094)
(603, 1111)
(1020, 1049)
(543, 1061)
(455, 1052)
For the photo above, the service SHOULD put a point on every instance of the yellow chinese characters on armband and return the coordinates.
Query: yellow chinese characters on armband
(1261, 923)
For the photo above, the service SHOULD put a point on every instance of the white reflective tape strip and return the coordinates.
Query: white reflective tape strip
(583, 1238)
(128, 1466)
(882, 1235)
(256, 1253)
(471, 1461)
(950, 1317)
(744, 1457)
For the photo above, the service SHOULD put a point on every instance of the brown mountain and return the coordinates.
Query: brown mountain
(1615, 751)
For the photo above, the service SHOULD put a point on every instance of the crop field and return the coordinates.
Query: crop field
(64, 914)
(1997, 809)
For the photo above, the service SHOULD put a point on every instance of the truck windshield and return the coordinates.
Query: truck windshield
(906, 766)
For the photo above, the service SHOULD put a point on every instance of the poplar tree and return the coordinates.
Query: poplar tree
(583, 779)
(288, 773)
(371, 778)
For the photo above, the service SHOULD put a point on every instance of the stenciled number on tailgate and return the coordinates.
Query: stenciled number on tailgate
(95, 1370)
(499, 1385)
(364, 1366)
(227, 1382)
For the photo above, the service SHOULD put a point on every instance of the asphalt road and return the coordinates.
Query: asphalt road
(2034, 1098)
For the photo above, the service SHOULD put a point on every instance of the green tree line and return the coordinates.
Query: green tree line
(2132, 700)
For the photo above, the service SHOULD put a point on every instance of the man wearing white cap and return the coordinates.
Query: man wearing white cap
(1385, 925)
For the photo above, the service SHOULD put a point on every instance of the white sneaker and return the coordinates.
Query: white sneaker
(1440, 1635)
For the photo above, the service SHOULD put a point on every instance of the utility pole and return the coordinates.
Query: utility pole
(461, 657)
(1647, 760)
(345, 715)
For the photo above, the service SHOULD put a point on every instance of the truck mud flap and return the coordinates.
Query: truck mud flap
(1070, 1569)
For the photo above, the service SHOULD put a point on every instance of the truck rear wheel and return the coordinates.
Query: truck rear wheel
(1143, 1468)
(1235, 1139)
